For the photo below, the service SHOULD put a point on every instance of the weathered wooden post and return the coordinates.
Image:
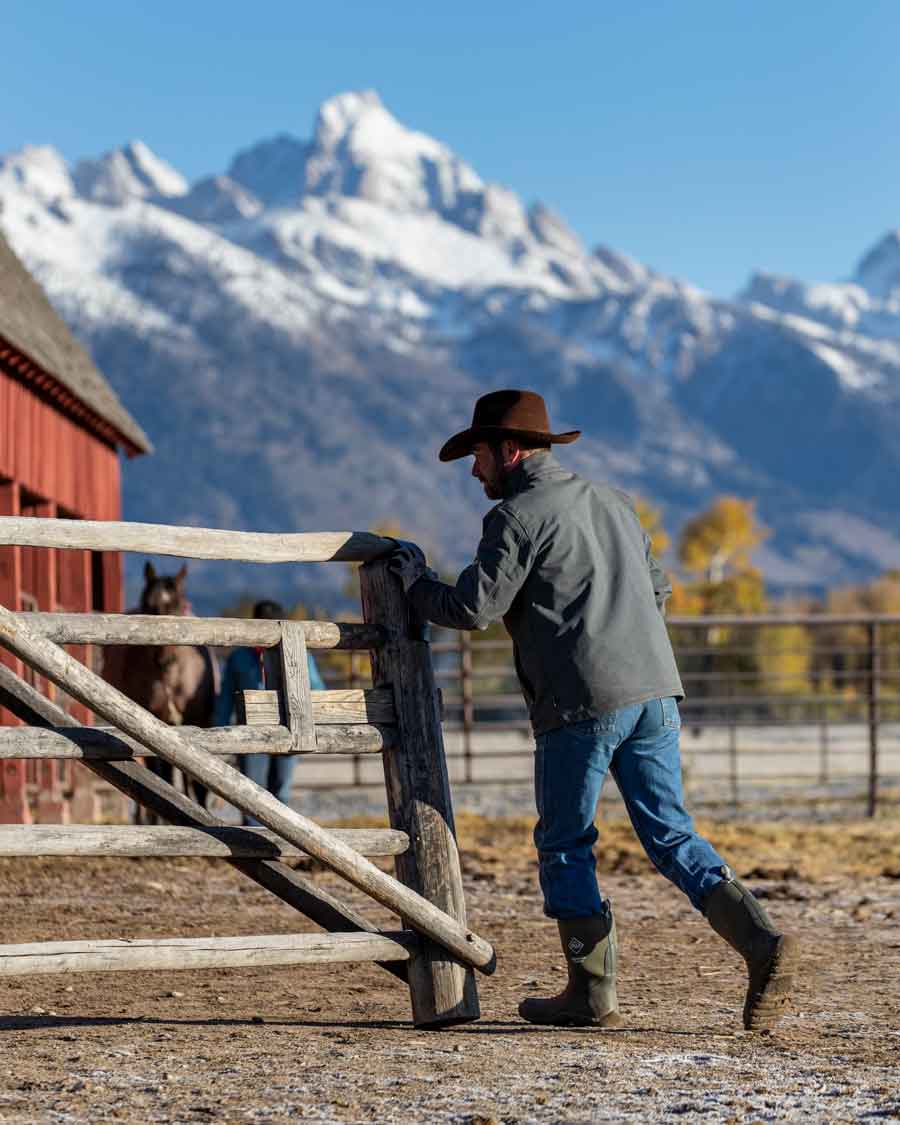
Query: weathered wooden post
(418, 793)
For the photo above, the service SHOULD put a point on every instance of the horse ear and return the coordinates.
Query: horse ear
(149, 571)
(181, 576)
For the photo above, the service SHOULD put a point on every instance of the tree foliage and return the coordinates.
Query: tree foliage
(719, 541)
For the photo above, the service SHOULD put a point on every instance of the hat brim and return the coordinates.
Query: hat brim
(461, 444)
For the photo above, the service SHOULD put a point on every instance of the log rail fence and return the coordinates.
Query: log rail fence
(433, 951)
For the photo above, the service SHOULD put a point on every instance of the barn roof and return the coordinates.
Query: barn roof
(29, 323)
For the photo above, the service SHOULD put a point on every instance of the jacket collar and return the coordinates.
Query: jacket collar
(533, 468)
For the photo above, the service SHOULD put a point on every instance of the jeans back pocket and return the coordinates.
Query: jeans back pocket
(670, 712)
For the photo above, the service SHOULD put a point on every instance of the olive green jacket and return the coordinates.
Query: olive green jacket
(567, 566)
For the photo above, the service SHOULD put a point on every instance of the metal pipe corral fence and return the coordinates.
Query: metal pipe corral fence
(779, 710)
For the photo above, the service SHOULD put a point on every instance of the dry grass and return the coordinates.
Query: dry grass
(759, 849)
(762, 850)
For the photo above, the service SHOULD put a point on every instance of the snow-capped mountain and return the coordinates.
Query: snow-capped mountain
(132, 172)
(299, 333)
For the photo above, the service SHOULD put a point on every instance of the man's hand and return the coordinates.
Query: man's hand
(413, 548)
(408, 563)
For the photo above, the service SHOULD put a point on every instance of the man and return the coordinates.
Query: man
(567, 566)
(244, 672)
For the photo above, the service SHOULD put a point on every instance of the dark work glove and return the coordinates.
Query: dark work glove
(414, 549)
(408, 563)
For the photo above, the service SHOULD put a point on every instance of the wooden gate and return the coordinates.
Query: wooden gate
(434, 951)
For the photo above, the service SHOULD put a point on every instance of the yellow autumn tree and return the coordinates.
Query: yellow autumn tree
(720, 540)
(715, 547)
(715, 550)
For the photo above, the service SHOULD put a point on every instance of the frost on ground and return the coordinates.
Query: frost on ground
(335, 1043)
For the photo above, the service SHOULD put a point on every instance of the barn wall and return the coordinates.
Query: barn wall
(49, 466)
(53, 457)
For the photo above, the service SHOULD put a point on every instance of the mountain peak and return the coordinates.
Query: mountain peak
(360, 149)
(338, 115)
(879, 270)
(131, 172)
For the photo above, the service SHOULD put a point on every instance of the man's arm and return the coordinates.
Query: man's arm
(662, 587)
(485, 589)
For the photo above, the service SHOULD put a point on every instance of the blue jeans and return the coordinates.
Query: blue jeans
(639, 746)
(272, 772)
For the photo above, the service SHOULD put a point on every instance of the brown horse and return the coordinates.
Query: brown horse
(176, 683)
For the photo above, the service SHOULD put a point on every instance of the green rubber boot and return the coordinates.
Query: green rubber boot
(772, 958)
(589, 998)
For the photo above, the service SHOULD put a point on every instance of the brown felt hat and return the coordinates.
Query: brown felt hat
(506, 414)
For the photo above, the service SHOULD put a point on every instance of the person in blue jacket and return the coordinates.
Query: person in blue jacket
(244, 672)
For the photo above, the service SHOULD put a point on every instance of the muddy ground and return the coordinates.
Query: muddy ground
(335, 1044)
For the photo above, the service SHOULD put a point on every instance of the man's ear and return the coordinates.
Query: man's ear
(511, 452)
(149, 571)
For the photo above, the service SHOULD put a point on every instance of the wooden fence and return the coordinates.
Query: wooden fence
(399, 717)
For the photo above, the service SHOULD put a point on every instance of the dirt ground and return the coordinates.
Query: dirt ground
(335, 1043)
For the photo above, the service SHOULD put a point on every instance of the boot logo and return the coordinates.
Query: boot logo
(575, 946)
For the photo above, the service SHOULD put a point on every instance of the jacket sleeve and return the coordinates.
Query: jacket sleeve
(485, 590)
(662, 587)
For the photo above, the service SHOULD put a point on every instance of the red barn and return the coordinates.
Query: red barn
(61, 430)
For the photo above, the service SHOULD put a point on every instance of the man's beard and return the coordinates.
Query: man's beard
(493, 486)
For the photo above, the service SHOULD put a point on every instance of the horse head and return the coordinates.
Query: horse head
(163, 594)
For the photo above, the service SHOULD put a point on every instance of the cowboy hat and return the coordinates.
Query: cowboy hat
(506, 414)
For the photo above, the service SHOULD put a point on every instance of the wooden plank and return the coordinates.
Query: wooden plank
(39, 958)
(242, 792)
(196, 542)
(372, 705)
(418, 791)
(295, 685)
(357, 705)
(258, 708)
(106, 744)
(148, 789)
(174, 840)
(147, 629)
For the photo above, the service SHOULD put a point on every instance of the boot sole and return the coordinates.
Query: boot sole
(771, 999)
(571, 1019)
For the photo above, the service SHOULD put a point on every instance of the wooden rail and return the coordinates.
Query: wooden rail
(147, 629)
(173, 840)
(37, 958)
(194, 542)
(107, 744)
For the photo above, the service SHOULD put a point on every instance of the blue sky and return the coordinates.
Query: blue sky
(706, 139)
